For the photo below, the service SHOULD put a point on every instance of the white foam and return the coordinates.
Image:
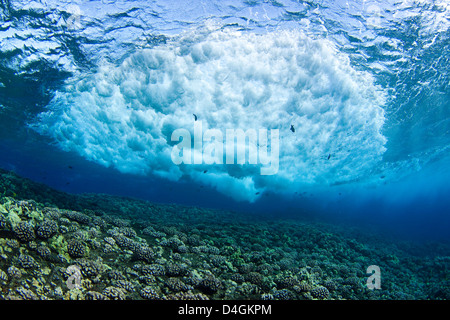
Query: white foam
(123, 116)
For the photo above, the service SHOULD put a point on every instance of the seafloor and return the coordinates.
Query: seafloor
(55, 245)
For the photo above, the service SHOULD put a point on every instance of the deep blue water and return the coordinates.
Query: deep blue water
(91, 91)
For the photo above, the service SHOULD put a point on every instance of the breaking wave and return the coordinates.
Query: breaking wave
(123, 116)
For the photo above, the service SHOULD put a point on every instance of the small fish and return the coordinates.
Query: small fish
(195, 117)
(70, 167)
(329, 156)
(382, 177)
(257, 193)
(205, 171)
(292, 128)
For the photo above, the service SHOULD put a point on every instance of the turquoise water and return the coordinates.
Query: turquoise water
(91, 92)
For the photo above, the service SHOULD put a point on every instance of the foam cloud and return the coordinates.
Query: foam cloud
(123, 116)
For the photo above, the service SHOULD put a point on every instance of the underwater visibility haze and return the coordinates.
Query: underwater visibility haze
(115, 121)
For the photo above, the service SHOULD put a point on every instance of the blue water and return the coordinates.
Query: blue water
(91, 91)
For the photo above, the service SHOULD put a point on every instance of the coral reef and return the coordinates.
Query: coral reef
(97, 247)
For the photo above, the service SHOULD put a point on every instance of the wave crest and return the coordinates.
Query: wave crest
(123, 116)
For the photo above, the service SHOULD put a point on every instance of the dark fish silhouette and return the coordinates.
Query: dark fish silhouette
(329, 156)
(257, 193)
(195, 117)
(292, 128)
(70, 167)
(205, 171)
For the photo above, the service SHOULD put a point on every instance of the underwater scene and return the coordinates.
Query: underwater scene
(224, 150)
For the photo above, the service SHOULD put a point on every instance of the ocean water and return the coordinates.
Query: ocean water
(353, 95)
